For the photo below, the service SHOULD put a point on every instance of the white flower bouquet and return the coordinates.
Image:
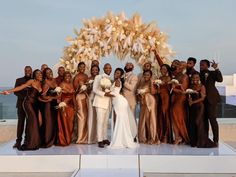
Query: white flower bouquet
(58, 90)
(61, 105)
(83, 88)
(90, 81)
(141, 91)
(174, 81)
(105, 83)
(190, 91)
(158, 82)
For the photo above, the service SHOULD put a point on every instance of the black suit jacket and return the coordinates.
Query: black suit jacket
(21, 94)
(209, 79)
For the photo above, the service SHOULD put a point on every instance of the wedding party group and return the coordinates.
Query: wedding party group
(175, 107)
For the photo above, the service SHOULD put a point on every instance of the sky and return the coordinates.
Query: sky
(33, 32)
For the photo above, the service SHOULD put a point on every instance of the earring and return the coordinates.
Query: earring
(199, 82)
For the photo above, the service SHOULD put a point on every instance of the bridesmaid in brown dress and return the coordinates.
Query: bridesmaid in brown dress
(92, 120)
(49, 112)
(66, 114)
(198, 135)
(165, 123)
(147, 126)
(178, 105)
(79, 82)
(32, 136)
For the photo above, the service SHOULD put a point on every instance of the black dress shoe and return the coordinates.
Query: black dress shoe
(100, 144)
(106, 142)
(25, 148)
(17, 145)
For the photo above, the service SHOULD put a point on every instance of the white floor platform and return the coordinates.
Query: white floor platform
(107, 173)
(147, 158)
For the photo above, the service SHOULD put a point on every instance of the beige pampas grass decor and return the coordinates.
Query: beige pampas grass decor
(118, 35)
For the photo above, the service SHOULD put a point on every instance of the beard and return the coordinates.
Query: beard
(173, 69)
(128, 69)
(27, 77)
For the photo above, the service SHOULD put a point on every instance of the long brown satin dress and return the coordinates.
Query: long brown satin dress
(197, 134)
(32, 135)
(82, 118)
(92, 118)
(165, 123)
(147, 125)
(65, 120)
(178, 112)
(49, 121)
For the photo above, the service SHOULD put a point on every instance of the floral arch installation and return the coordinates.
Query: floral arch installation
(118, 35)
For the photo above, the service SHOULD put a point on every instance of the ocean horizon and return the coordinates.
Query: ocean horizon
(8, 107)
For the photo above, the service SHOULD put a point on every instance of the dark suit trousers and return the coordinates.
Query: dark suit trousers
(21, 122)
(211, 114)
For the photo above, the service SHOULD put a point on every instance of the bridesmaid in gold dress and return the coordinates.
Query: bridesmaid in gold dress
(65, 116)
(165, 123)
(92, 121)
(179, 104)
(147, 126)
(79, 83)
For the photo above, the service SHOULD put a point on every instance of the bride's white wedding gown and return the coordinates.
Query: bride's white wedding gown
(125, 128)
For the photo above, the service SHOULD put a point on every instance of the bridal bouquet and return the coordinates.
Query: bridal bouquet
(158, 82)
(105, 84)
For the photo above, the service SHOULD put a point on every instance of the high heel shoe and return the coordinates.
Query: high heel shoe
(177, 141)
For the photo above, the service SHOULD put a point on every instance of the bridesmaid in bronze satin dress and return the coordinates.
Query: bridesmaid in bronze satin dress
(32, 136)
(147, 125)
(49, 112)
(92, 119)
(66, 114)
(165, 123)
(178, 105)
(198, 136)
(80, 80)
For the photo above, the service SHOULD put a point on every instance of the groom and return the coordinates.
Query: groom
(102, 104)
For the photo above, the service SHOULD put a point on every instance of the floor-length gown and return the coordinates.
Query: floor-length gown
(92, 121)
(197, 134)
(122, 135)
(178, 113)
(65, 120)
(32, 136)
(82, 118)
(165, 124)
(147, 125)
(49, 121)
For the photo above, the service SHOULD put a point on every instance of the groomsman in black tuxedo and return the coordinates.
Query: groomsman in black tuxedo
(60, 72)
(208, 79)
(190, 67)
(19, 105)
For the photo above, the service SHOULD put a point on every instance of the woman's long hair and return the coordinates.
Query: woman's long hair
(122, 79)
(168, 69)
(44, 74)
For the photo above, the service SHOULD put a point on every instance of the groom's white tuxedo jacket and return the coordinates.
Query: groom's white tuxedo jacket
(100, 100)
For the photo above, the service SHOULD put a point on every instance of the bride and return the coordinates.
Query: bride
(125, 128)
